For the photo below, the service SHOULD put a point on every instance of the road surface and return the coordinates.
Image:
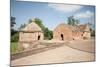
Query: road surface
(59, 55)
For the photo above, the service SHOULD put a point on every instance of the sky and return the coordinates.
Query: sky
(51, 14)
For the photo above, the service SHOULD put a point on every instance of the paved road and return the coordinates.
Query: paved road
(58, 55)
(84, 45)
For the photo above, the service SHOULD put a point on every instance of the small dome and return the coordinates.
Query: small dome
(80, 28)
(31, 27)
(72, 28)
(85, 27)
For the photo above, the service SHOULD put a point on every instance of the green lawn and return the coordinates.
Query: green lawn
(14, 47)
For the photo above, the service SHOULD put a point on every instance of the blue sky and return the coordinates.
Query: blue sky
(51, 14)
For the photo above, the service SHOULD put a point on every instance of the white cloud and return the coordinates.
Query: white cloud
(65, 8)
(86, 14)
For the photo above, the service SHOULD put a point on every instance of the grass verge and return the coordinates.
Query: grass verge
(14, 47)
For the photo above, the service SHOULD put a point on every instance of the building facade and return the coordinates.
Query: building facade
(29, 35)
(69, 32)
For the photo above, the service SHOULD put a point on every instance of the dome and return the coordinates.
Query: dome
(31, 27)
(72, 28)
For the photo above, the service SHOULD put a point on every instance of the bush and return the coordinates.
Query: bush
(93, 33)
(15, 37)
(47, 34)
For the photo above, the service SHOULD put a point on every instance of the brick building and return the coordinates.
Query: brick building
(29, 35)
(69, 32)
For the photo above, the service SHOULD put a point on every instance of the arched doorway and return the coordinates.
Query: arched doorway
(38, 37)
(62, 37)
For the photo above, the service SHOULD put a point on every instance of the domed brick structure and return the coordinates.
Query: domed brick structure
(29, 35)
(69, 32)
(62, 32)
(86, 31)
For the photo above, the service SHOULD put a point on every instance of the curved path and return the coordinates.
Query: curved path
(58, 55)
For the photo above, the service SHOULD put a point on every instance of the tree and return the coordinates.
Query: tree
(47, 33)
(51, 34)
(72, 20)
(38, 22)
(13, 31)
(12, 21)
(22, 26)
(77, 21)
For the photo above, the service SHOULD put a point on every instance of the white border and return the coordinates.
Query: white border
(5, 32)
(86, 2)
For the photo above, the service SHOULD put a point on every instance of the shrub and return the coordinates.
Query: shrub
(15, 37)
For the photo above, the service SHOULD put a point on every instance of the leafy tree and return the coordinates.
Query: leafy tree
(72, 20)
(13, 31)
(22, 26)
(77, 21)
(38, 22)
(12, 21)
(47, 33)
(51, 34)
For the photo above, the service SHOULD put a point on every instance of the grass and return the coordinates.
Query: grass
(14, 47)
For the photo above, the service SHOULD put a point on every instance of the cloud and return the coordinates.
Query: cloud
(65, 8)
(86, 14)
